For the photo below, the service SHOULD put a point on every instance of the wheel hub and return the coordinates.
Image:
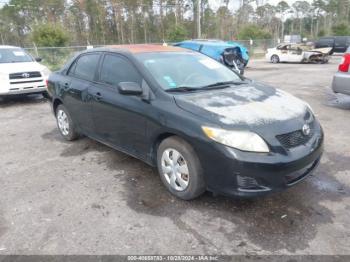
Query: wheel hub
(63, 123)
(175, 169)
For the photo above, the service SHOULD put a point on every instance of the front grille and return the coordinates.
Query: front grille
(25, 82)
(25, 75)
(247, 184)
(295, 138)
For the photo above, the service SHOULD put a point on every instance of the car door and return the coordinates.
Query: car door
(295, 54)
(283, 53)
(119, 119)
(340, 44)
(76, 98)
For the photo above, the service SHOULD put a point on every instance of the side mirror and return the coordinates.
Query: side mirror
(129, 88)
(38, 59)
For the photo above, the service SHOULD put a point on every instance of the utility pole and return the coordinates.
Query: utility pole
(199, 18)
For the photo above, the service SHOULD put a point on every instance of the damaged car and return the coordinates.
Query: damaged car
(298, 53)
(202, 125)
(231, 54)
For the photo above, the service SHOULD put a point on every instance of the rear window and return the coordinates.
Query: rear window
(325, 42)
(340, 41)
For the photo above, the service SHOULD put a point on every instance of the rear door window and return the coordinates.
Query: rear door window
(340, 41)
(326, 42)
(116, 69)
(85, 67)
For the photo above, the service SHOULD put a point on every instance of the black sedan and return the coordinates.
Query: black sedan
(201, 124)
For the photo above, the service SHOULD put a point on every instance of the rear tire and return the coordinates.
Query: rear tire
(179, 168)
(275, 59)
(65, 124)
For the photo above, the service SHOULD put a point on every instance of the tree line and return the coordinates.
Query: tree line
(100, 22)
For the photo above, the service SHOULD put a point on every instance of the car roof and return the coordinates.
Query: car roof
(146, 48)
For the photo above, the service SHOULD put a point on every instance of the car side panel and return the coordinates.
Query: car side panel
(341, 43)
(120, 119)
(77, 100)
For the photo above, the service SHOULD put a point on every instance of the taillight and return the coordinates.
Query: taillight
(47, 83)
(344, 65)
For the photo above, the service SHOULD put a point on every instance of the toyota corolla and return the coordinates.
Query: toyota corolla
(203, 126)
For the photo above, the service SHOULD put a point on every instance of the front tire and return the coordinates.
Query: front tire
(65, 124)
(46, 95)
(275, 59)
(179, 168)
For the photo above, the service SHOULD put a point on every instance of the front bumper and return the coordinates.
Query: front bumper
(18, 87)
(235, 173)
(341, 83)
(34, 90)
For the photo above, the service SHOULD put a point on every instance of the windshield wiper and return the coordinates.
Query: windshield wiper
(182, 89)
(217, 85)
(222, 84)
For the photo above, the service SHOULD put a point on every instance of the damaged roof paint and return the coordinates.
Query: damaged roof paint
(252, 104)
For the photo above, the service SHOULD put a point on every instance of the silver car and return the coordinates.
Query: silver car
(341, 80)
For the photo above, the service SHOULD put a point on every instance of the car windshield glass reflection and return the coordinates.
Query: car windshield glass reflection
(13, 55)
(186, 70)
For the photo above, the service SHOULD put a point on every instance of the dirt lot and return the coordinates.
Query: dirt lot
(84, 198)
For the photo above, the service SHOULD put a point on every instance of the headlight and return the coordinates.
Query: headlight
(46, 72)
(242, 140)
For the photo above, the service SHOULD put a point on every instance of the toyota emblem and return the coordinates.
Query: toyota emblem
(306, 129)
(25, 75)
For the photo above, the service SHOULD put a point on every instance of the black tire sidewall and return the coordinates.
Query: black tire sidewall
(277, 59)
(196, 184)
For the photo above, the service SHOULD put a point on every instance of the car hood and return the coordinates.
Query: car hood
(251, 104)
(9, 68)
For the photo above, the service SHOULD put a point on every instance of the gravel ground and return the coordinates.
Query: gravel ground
(85, 198)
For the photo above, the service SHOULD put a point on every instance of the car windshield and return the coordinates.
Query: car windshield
(14, 55)
(175, 70)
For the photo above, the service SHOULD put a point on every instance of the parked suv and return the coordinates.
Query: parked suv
(339, 44)
(20, 73)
